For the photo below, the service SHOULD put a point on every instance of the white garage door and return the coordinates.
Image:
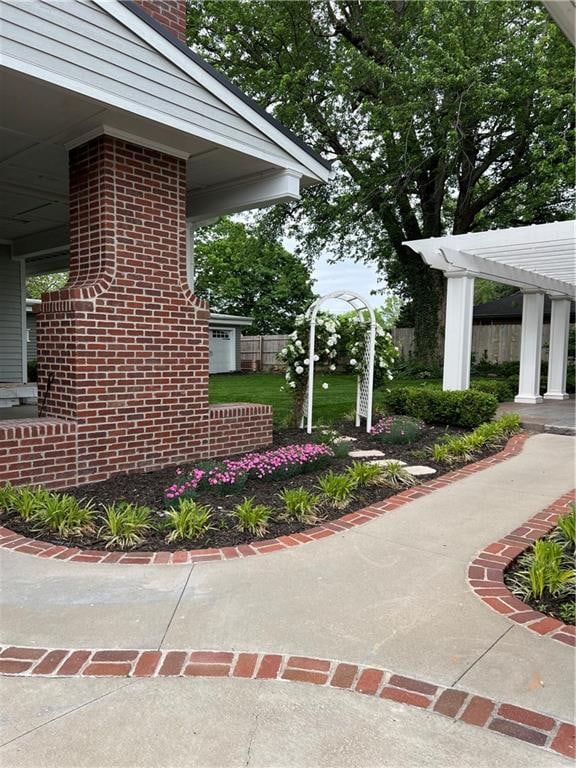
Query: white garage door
(222, 343)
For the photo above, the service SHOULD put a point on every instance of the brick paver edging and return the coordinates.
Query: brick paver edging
(486, 573)
(536, 728)
(15, 541)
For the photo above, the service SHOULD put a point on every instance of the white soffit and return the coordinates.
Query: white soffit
(564, 14)
(542, 256)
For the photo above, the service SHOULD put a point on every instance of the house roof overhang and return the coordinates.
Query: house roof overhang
(541, 257)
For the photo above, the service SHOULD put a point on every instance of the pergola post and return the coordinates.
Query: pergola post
(531, 348)
(558, 354)
(458, 333)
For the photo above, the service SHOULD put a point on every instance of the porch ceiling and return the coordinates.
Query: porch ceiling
(34, 134)
(542, 256)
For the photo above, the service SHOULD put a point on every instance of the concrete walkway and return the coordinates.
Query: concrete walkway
(392, 593)
(557, 416)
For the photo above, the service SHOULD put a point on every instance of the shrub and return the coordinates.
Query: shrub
(300, 504)
(503, 390)
(65, 514)
(467, 408)
(397, 430)
(544, 572)
(337, 489)
(251, 517)
(394, 475)
(188, 520)
(124, 525)
(363, 473)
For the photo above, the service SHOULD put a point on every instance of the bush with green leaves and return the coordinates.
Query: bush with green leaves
(251, 517)
(502, 389)
(337, 489)
(26, 501)
(395, 475)
(467, 408)
(545, 572)
(363, 473)
(397, 430)
(64, 514)
(465, 447)
(300, 505)
(339, 444)
(187, 520)
(565, 531)
(125, 525)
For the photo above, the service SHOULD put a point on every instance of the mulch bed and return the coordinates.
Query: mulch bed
(547, 604)
(147, 488)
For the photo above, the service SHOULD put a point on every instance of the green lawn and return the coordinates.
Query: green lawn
(329, 405)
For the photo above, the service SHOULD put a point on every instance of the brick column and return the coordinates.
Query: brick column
(123, 349)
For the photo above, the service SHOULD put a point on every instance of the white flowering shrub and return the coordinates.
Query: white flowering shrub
(354, 335)
(295, 356)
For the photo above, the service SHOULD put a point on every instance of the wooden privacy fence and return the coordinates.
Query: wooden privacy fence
(259, 353)
(498, 343)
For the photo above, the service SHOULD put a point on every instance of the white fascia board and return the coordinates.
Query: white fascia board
(165, 48)
(106, 98)
(454, 262)
(496, 239)
(238, 320)
(250, 192)
(564, 14)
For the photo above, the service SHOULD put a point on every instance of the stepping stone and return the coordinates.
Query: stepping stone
(365, 454)
(345, 439)
(420, 471)
(385, 462)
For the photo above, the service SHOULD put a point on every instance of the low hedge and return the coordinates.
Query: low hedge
(468, 408)
(503, 390)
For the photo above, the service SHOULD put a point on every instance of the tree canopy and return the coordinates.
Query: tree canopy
(442, 116)
(240, 272)
(36, 285)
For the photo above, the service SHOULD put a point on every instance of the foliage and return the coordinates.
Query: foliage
(241, 272)
(64, 514)
(337, 489)
(300, 505)
(187, 520)
(398, 430)
(363, 473)
(251, 517)
(464, 447)
(488, 290)
(354, 330)
(124, 525)
(296, 357)
(567, 612)
(464, 110)
(565, 531)
(503, 391)
(394, 475)
(231, 474)
(467, 408)
(36, 285)
(545, 571)
(339, 444)
(27, 501)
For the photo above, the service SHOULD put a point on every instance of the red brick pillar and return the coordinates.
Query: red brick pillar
(170, 13)
(123, 349)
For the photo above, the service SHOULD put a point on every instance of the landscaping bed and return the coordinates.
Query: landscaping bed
(150, 490)
(544, 577)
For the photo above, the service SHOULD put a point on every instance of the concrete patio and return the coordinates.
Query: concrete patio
(557, 416)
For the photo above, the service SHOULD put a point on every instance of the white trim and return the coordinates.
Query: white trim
(127, 105)
(179, 59)
(132, 138)
(24, 345)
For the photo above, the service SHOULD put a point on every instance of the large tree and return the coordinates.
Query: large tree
(240, 272)
(443, 116)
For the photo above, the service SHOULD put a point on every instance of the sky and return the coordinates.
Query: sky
(345, 274)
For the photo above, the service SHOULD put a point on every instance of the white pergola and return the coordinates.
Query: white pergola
(540, 259)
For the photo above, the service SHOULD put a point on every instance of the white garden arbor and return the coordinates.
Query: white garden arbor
(540, 259)
(364, 390)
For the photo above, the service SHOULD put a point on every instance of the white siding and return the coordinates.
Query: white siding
(75, 39)
(10, 318)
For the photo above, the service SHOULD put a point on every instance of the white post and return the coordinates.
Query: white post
(311, 353)
(558, 354)
(530, 348)
(458, 333)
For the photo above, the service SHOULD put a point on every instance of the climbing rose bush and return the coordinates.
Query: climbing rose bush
(355, 334)
(296, 358)
(231, 474)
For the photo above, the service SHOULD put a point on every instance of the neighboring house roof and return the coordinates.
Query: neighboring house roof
(224, 81)
(509, 309)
